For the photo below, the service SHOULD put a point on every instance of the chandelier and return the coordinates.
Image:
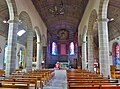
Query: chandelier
(57, 9)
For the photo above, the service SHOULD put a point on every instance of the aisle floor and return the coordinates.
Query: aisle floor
(59, 81)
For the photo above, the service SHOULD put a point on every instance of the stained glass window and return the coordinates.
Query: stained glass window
(54, 48)
(72, 47)
(21, 54)
(117, 55)
(5, 55)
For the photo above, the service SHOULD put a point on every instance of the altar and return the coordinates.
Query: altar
(63, 65)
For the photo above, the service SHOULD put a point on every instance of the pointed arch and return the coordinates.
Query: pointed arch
(84, 33)
(92, 20)
(38, 34)
(90, 40)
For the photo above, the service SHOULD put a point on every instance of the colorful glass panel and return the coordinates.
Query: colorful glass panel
(72, 47)
(54, 48)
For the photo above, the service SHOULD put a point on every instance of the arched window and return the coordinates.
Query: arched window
(21, 54)
(5, 54)
(21, 57)
(54, 48)
(5, 57)
(72, 47)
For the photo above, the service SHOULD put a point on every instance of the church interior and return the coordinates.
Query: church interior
(59, 44)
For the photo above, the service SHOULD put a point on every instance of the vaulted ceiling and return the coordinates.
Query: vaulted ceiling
(114, 25)
(62, 15)
(3, 16)
(65, 14)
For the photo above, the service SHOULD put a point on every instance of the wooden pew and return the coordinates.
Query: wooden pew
(96, 86)
(42, 76)
(78, 79)
(10, 84)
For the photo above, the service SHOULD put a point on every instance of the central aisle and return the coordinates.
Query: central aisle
(58, 82)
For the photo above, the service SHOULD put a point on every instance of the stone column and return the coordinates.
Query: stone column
(17, 57)
(39, 61)
(79, 63)
(12, 46)
(84, 54)
(103, 47)
(41, 52)
(44, 56)
(90, 53)
(17, 62)
(29, 50)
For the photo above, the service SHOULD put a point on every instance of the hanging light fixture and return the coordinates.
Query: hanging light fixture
(57, 9)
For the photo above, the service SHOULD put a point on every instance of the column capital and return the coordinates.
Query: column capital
(103, 20)
(38, 42)
(84, 41)
(14, 20)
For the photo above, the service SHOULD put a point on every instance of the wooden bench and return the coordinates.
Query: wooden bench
(94, 86)
(78, 79)
(18, 85)
(42, 76)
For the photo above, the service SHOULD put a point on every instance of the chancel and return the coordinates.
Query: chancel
(59, 44)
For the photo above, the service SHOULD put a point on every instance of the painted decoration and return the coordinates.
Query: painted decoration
(63, 49)
(63, 34)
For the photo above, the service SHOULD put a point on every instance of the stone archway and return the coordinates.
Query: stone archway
(27, 25)
(26, 20)
(4, 17)
(90, 39)
(12, 37)
(103, 7)
(39, 48)
(13, 15)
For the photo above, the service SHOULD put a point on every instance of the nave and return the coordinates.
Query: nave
(59, 79)
(35, 35)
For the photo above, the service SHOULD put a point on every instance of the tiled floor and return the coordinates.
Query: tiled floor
(58, 82)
